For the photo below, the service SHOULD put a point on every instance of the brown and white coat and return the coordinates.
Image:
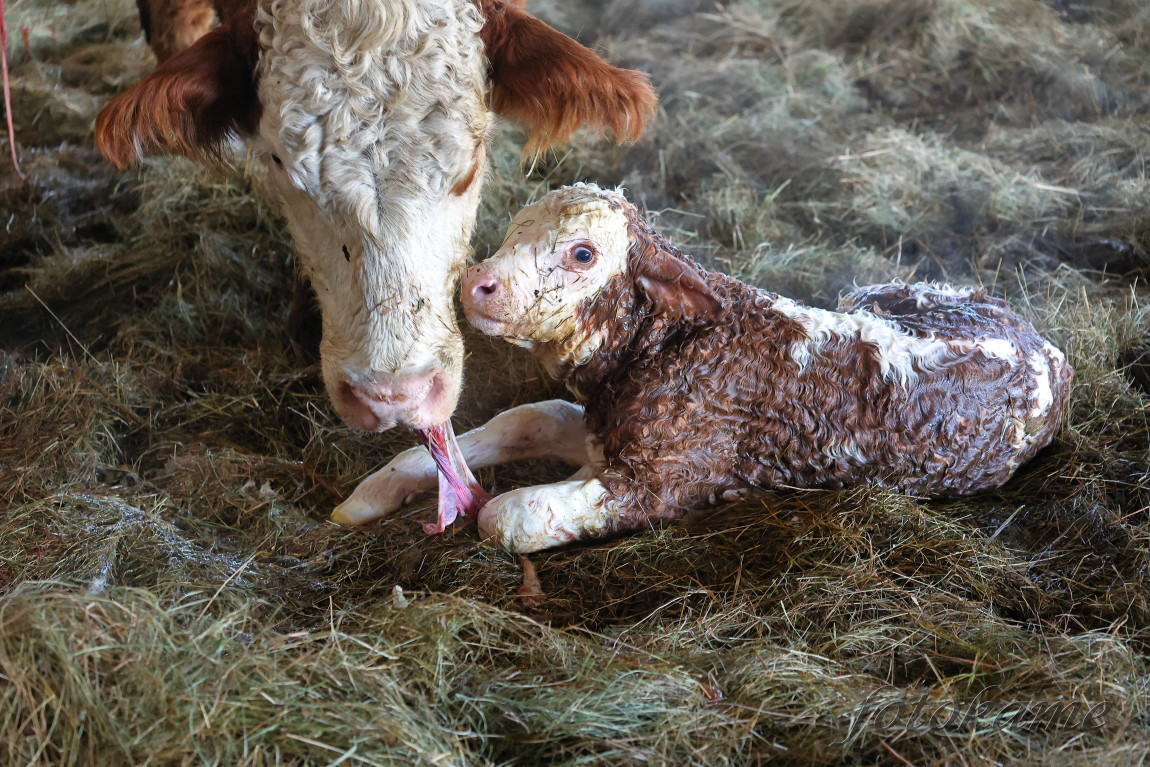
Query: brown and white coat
(696, 387)
(371, 119)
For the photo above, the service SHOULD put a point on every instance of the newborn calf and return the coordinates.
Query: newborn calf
(697, 388)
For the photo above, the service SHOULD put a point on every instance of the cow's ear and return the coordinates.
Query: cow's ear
(552, 85)
(191, 103)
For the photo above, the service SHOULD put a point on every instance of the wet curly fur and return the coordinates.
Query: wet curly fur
(705, 386)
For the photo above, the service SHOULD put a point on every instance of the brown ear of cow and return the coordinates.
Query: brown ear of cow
(552, 85)
(676, 289)
(191, 103)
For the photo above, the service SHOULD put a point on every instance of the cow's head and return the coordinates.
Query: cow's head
(372, 119)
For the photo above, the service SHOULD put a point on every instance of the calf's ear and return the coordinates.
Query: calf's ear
(676, 289)
(191, 103)
(552, 85)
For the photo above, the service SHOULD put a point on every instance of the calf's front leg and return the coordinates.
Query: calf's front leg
(551, 429)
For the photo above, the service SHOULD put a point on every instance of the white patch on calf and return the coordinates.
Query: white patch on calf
(1043, 395)
(901, 356)
(998, 348)
(1028, 425)
(928, 295)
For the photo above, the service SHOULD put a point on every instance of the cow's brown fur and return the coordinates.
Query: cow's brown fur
(520, 49)
(192, 101)
(205, 88)
(170, 26)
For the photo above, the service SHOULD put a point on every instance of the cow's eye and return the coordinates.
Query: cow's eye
(583, 254)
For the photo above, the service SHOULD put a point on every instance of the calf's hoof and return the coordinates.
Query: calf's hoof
(353, 512)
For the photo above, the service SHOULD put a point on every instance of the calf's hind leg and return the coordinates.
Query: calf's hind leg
(551, 429)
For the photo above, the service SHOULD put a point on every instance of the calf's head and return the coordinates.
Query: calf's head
(573, 269)
(371, 118)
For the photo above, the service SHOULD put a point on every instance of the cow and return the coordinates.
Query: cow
(372, 120)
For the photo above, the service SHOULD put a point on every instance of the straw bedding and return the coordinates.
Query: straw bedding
(170, 589)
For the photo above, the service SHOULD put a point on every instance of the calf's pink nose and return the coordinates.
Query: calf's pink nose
(414, 400)
(478, 286)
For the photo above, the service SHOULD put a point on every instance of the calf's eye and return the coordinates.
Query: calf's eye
(583, 254)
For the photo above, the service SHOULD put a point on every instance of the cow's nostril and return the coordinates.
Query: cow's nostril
(354, 408)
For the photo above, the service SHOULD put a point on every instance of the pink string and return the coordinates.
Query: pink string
(8, 92)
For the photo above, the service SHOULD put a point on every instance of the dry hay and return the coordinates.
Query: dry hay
(170, 590)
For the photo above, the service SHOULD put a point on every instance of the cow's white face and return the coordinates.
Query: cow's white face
(373, 131)
(558, 254)
(371, 116)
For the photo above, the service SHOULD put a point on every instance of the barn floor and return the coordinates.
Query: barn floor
(170, 589)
